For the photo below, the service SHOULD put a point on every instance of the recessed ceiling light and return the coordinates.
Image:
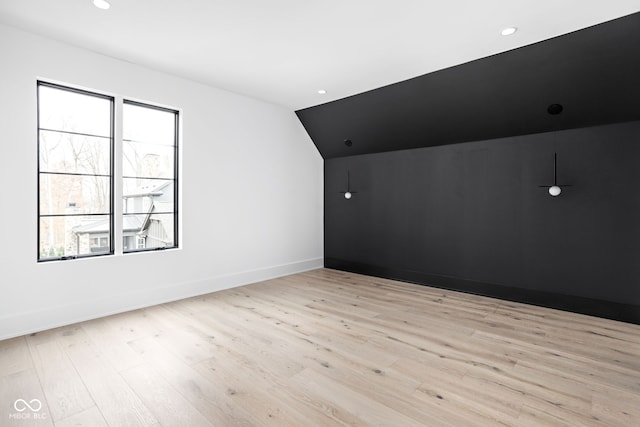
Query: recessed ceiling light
(101, 4)
(322, 91)
(508, 31)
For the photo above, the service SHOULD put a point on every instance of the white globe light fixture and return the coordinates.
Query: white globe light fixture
(554, 190)
(348, 194)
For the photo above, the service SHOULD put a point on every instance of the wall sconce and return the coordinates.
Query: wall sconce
(348, 194)
(555, 189)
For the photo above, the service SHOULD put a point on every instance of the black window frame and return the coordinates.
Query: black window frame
(176, 140)
(111, 214)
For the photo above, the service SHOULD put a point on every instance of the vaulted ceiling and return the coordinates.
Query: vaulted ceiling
(586, 78)
(284, 51)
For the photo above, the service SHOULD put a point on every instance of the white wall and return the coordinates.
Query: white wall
(251, 193)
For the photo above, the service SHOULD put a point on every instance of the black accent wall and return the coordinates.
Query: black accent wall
(471, 216)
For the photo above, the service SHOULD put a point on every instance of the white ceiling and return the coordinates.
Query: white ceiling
(284, 51)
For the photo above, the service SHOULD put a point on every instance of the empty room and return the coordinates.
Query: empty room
(333, 213)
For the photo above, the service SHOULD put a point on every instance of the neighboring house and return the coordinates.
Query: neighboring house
(144, 224)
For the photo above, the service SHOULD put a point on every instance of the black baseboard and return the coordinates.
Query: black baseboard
(593, 307)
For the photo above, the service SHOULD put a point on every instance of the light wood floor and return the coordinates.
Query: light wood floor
(328, 348)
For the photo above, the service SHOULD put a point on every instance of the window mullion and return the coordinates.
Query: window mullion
(117, 178)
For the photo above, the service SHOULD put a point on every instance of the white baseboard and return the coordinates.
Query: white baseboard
(40, 320)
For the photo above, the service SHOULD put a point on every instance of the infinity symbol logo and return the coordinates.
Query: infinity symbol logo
(21, 405)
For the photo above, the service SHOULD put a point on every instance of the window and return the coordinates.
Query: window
(75, 172)
(76, 182)
(99, 244)
(149, 170)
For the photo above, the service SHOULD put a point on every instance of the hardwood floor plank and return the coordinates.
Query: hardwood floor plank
(208, 397)
(532, 417)
(314, 343)
(360, 405)
(24, 386)
(14, 356)
(578, 342)
(443, 388)
(112, 344)
(119, 405)
(545, 358)
(91, 417)
(65, 391)
(133, 325)
(166, 404)
(616, 408)
(250, 390)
